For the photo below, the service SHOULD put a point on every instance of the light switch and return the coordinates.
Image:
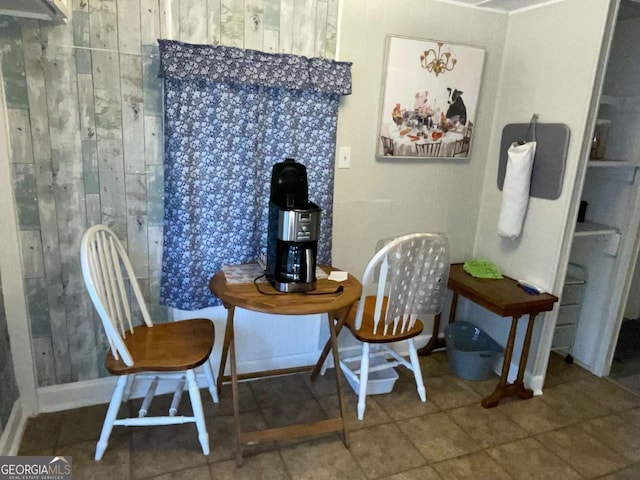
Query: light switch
(344, 157)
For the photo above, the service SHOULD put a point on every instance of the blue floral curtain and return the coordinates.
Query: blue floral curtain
(230, 114)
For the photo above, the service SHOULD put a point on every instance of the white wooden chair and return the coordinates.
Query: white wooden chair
(166, 351)
(409, 275)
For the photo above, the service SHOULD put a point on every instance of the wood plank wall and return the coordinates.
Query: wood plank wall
(85, 117)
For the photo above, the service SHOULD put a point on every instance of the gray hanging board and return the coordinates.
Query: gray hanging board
(552, 143)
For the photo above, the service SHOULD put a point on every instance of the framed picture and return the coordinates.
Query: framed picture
(429, 99)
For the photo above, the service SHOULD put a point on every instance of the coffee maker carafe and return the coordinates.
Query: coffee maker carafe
(294, 224)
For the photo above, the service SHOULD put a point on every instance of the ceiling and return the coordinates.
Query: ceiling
(503, 6)
(628, 8)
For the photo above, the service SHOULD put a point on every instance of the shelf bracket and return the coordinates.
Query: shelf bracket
(612, 244)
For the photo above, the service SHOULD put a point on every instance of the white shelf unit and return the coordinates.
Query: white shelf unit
(603, 244)
(569, 312)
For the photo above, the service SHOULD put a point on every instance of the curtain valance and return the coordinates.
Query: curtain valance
(183, 61)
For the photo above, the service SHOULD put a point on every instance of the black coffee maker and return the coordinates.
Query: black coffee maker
(294, 223)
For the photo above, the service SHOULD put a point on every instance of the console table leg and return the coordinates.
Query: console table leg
(502, 390)
(521, 391)
(454, 307)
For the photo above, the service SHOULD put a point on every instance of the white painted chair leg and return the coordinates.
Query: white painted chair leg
(325, 364)
(128, 387)
(208, 371)
(364, 378)
(417, 372)
(110, 417)
(198, 413)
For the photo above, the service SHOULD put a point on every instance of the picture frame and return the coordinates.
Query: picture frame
(429, 98)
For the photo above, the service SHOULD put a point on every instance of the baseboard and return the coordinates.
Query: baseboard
(536, 383)
(93, 392)
(67, 396)
(276, 363)
(13, 430)
(98, 391)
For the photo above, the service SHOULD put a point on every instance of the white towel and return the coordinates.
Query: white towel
(515, 190)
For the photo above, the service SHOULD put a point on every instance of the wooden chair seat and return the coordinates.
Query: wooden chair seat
(365, 333)
(166, 347)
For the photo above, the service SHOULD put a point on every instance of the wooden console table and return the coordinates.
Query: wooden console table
(326, 298)
(504, 298)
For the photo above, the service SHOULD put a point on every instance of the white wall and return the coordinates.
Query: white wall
(550, 63)
(374, 198)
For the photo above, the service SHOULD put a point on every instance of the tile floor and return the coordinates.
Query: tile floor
(582, 427)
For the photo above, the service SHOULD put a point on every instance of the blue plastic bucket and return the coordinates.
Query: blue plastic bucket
(471, 352)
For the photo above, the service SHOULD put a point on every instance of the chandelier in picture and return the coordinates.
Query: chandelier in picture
(437, 62)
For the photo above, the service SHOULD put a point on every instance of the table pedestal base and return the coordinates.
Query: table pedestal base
(505, 391)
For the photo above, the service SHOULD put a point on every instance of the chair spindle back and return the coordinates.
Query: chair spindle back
(411, 273)
(106, 267)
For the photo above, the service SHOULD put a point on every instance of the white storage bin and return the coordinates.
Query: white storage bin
(381, 381)
(471, 352)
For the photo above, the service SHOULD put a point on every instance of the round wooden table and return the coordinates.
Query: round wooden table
(331, 298)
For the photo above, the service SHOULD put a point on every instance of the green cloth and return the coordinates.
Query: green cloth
(481, 268)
